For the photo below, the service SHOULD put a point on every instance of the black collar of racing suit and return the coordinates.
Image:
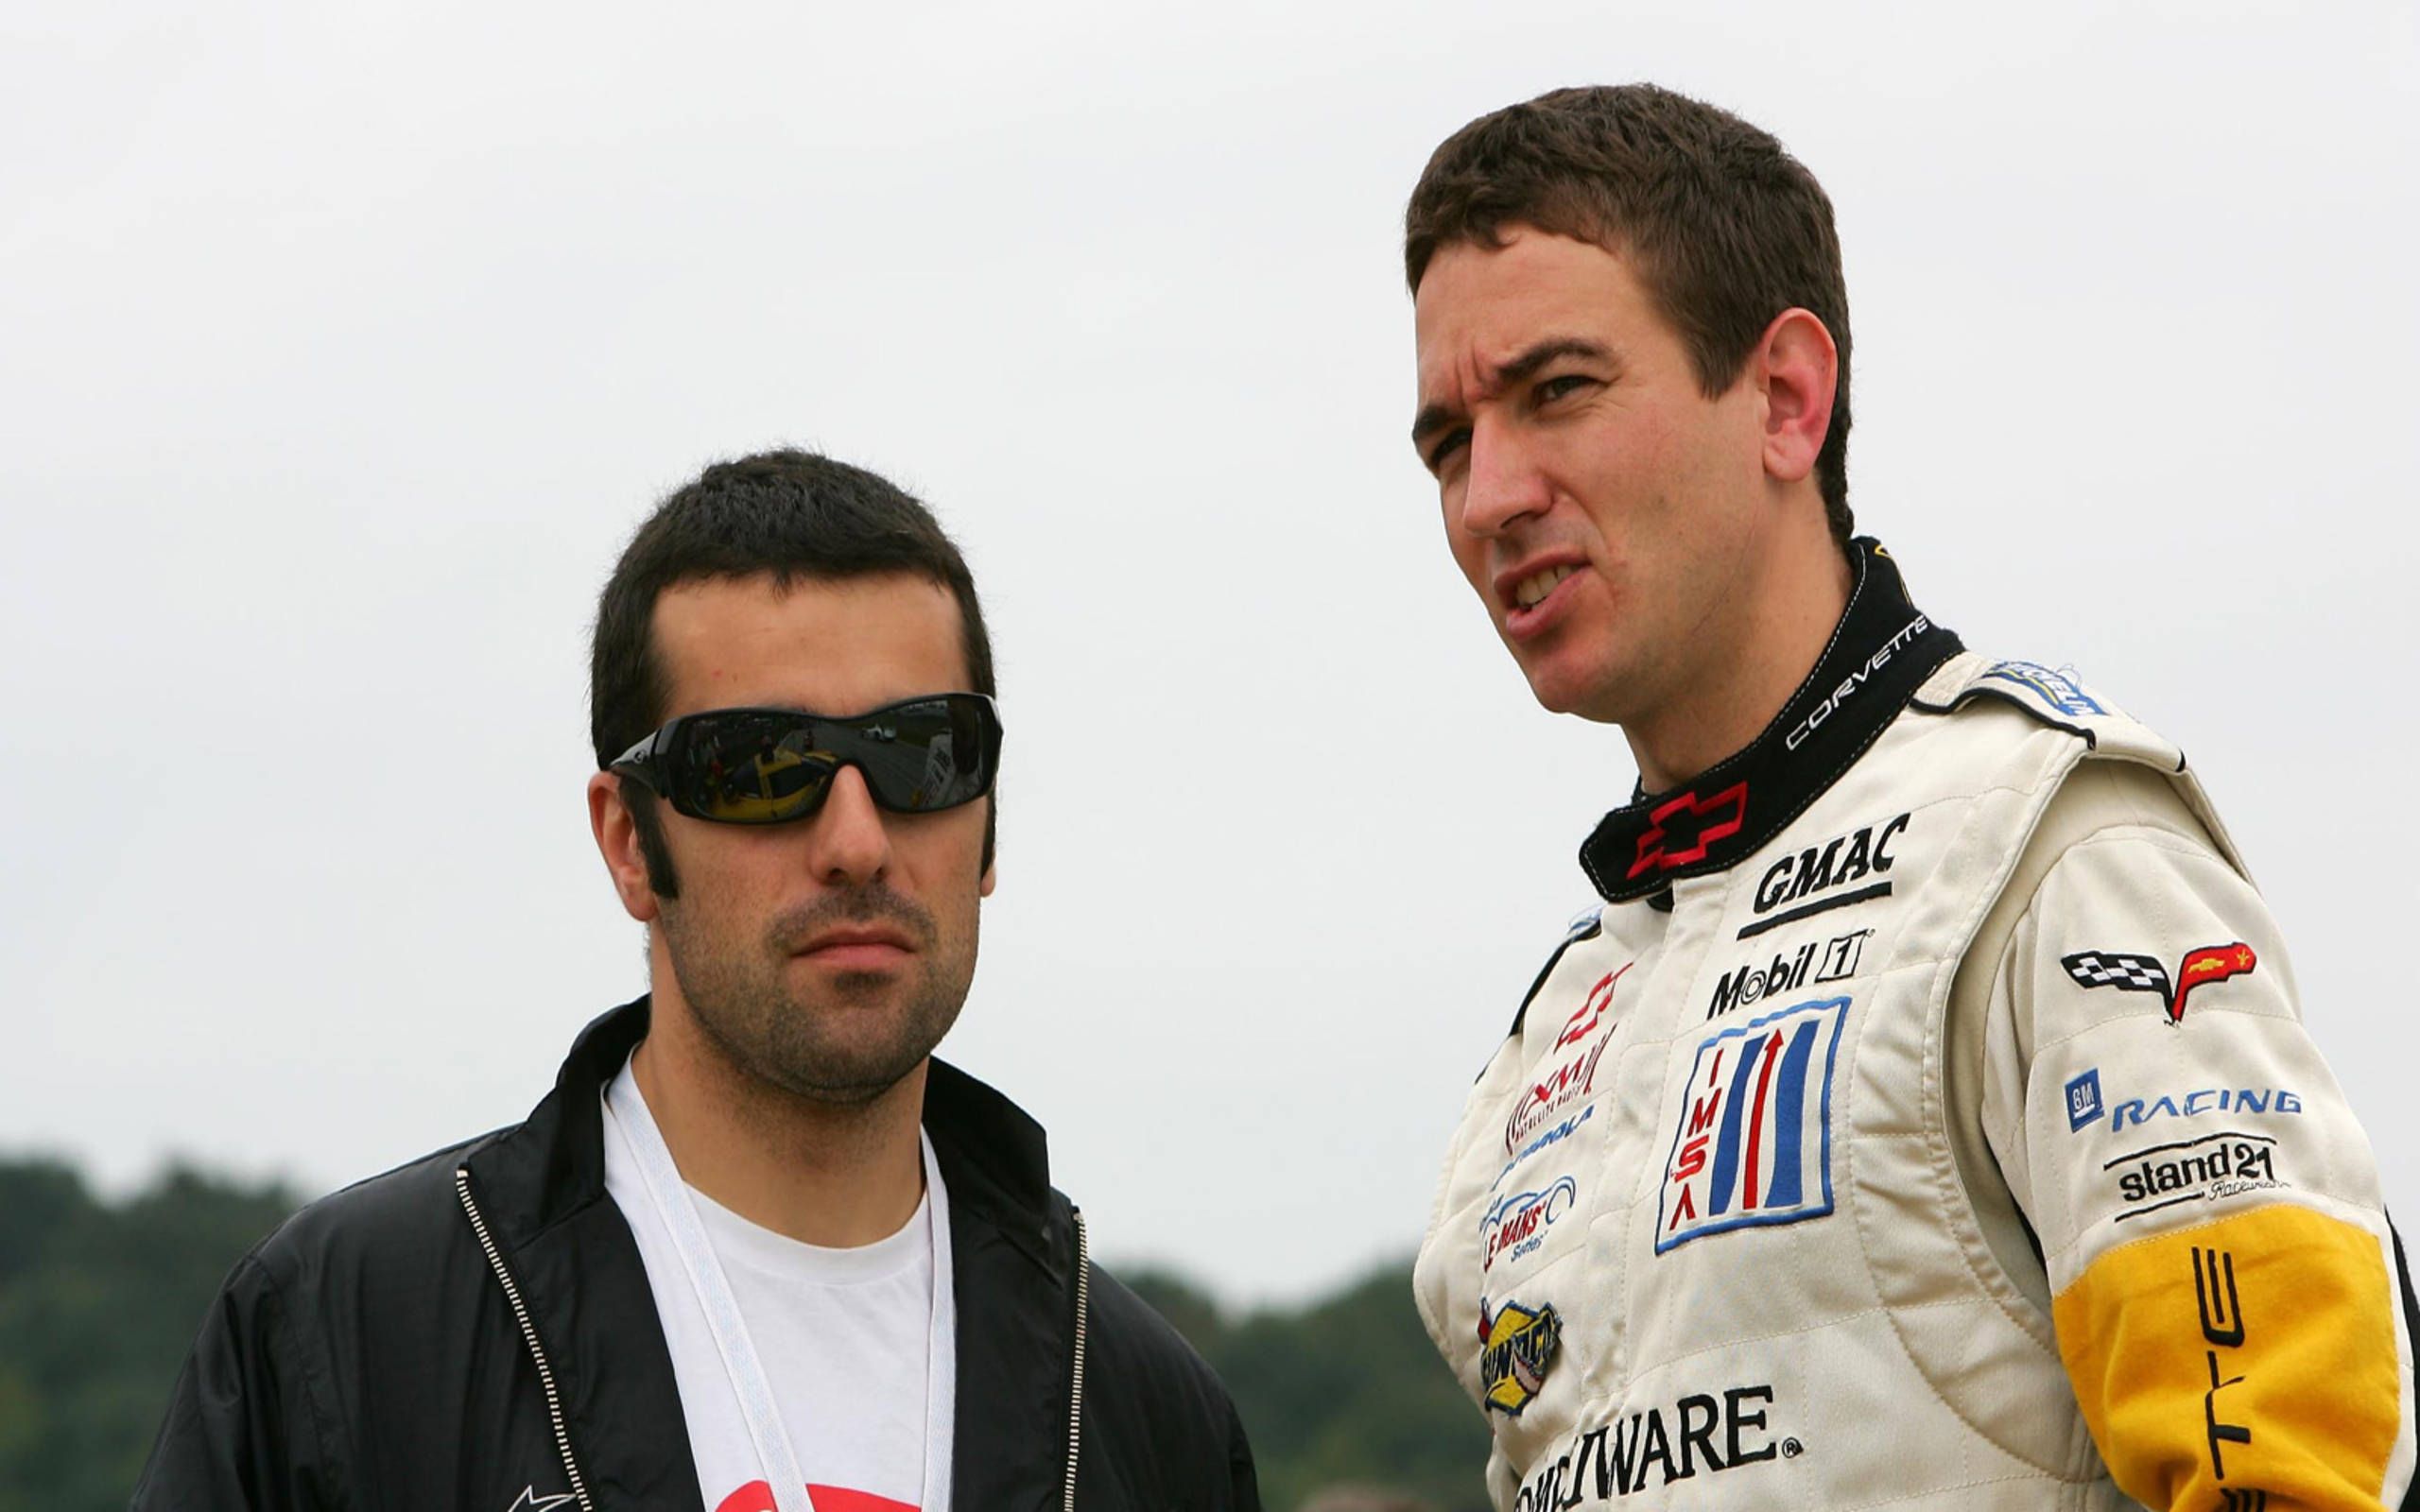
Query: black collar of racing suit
(1880, 652)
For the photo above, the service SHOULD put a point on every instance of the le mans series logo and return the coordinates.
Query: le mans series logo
(1516, 1349)
(1753, 1144)
(1517, 1224)
(2146, 974)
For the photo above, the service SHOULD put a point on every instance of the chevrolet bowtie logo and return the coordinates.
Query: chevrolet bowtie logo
(1691, 824)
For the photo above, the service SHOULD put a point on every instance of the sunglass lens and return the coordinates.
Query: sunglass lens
(926, 755)
(749, 768)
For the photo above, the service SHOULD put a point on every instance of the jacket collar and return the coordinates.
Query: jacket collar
(552, 1167)
(1880, 652)
(541, 1186)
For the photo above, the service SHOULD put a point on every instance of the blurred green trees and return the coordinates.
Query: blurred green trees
(1346, 1404)
(98, 1303)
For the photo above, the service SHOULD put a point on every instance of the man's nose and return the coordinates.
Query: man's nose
(1504, 482)
(850, 846)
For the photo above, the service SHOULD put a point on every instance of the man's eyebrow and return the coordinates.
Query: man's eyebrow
(1434, 418)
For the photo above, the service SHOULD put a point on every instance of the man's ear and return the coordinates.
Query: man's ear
(1797, 369)
(617, 841)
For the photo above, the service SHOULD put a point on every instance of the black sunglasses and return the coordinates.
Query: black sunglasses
(771, 765)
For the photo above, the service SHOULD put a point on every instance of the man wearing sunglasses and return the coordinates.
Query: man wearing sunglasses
(1921, 1113)
(757, 1250)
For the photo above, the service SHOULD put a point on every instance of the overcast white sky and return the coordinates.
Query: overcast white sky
(341, 348)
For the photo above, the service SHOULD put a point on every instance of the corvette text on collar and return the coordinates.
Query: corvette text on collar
(1629, 1454)
(1855, 680)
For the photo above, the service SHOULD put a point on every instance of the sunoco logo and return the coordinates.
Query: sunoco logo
(1516, 1225)
(1517, 1348)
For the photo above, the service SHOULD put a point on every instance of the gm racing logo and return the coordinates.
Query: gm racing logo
(2085, 1105)
(1755, 1141)
(1517, 1224)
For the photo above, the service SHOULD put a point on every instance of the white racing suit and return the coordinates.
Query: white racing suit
(1925, 1120)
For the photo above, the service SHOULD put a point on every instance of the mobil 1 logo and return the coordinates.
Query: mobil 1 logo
(1832, 960)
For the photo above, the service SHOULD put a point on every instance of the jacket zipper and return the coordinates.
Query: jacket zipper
(546, 1373)
(1075, 1393)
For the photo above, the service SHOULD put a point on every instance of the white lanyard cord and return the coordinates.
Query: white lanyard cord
(746, 1374)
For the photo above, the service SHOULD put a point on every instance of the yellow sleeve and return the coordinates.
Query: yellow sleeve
(2231, 1304)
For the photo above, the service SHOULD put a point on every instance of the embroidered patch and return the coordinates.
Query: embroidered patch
(2144, 973)
(1754, 1146)
(1517, 1348)
(1516, 1223)
(2057, 689)
(2083, 1099)
(1679, 830)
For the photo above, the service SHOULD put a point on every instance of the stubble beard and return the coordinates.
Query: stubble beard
(842, 1045)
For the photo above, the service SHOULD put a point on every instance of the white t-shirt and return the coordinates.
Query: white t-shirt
(845, 1339)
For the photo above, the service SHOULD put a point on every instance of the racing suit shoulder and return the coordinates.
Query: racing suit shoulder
(2131, 1081)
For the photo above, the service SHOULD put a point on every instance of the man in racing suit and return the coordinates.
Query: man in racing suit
(1923, 1116)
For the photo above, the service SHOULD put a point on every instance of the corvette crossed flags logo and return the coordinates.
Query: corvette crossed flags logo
(2144, 973)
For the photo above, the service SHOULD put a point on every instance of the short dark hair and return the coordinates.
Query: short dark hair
(786, 514)
(1724, 228)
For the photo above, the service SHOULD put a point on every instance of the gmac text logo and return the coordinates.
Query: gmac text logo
(1819, 871)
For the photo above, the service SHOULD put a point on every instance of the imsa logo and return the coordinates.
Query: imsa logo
(1755, 1141)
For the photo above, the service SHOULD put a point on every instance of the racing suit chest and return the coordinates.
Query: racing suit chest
(1713, 1168)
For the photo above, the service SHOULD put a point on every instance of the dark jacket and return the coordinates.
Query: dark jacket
(475, 1331)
